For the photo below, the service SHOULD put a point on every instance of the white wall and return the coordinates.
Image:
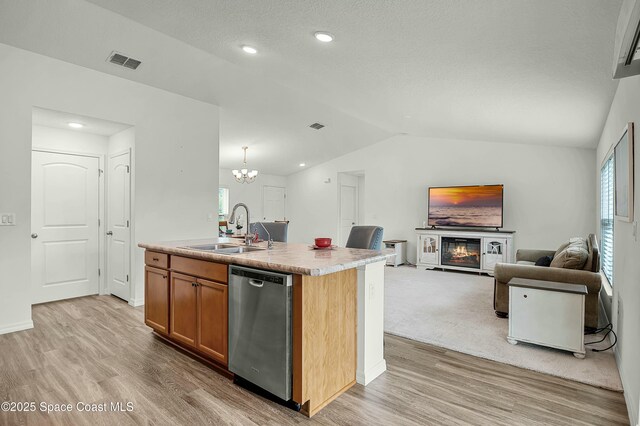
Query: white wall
(625, 302)
(250, 193)
(548, 190)
(122, 141)
(68, 140)
(176, 159)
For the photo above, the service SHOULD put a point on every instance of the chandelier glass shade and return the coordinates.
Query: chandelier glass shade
(244, 175)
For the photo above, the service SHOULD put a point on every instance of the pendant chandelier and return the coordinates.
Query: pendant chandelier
(244, 175)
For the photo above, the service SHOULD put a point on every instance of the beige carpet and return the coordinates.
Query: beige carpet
(454, 310)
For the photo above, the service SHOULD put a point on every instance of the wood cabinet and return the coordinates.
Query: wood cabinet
(199, 315)
(212, 327)
(156, 307)
(184, 304)
(188, 303)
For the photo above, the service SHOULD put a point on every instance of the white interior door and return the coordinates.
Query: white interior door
(64, 226)
(273, 198)
(118, 230)
(348, 211)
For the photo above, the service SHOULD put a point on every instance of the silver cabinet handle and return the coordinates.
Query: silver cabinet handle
(256, 283)
(34, 236)
(109, 233)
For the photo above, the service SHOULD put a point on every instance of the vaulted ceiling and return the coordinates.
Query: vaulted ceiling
(531, 71)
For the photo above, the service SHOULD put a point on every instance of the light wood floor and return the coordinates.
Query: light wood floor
(97, 349)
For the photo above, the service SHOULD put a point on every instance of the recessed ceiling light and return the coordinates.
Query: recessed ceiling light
(76, 125)
(302, 164)
(250, 50)
(324, 36)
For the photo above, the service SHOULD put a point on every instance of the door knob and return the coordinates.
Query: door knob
(109, 233)
(34, 236)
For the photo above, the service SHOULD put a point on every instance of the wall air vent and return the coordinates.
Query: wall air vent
(317, 126)
(122, 60)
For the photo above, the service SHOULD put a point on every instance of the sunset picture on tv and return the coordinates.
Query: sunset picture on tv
(473, 206)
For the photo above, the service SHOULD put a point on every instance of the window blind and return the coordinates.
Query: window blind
(606, 218)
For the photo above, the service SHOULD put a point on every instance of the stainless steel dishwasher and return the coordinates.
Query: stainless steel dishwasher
(260, 349)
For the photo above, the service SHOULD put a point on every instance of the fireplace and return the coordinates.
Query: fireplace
(463, 252)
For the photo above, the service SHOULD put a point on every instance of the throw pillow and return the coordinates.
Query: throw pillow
(562, 247)
(573, 256)
(544, 261)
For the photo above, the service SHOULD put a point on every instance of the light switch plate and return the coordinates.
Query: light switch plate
(7, 219)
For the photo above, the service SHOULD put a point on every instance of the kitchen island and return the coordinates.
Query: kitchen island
(337, 308)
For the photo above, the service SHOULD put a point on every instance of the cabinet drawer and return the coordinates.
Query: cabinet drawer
(200, 268)
(159, 260)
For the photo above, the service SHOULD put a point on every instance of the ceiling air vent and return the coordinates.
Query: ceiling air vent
(124, 61)
(317, 126)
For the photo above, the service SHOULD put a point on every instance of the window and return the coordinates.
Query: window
(606, 218)
(223, 201)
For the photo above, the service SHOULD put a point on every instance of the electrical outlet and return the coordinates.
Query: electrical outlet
(7, 219)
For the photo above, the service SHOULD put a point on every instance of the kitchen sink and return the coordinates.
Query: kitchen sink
(224, 248)
(237, 250)
(211, 247)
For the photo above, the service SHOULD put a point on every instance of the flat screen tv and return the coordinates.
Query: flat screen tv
(466, 206)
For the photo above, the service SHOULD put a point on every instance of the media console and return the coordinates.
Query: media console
(463, 249)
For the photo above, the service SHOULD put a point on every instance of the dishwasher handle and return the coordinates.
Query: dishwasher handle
(256, 283)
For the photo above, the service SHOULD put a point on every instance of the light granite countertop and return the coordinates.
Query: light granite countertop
(284, 257)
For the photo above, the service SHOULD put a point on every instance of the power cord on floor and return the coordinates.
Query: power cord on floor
(609, 330)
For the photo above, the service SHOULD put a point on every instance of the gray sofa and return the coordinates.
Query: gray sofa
(588, 275)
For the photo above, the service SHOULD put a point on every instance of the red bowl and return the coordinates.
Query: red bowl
(323, 242)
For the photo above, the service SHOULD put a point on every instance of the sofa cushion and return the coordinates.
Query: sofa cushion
(525, 262)
(573, 256)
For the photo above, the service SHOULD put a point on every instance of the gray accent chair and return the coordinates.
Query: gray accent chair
(278, 230)
(365, 237)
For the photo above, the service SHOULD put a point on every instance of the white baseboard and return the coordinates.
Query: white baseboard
(18, 326)
(366, 377)
(136, 302)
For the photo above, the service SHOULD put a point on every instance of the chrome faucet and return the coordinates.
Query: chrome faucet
(269, 239)
(232, 218)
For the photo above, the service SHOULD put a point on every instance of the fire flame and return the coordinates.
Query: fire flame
(460, 251)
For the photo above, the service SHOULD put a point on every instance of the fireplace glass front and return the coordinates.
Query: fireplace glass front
(463, 252)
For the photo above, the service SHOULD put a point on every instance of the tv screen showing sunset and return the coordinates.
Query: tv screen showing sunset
(477, 206)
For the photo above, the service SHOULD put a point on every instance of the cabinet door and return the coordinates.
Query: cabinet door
(184, 319)
(156, 297)
(212, 319)
(549, 318)
(428, 250)
(494, 251)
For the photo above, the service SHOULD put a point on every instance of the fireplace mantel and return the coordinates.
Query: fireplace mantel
(464, 249)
